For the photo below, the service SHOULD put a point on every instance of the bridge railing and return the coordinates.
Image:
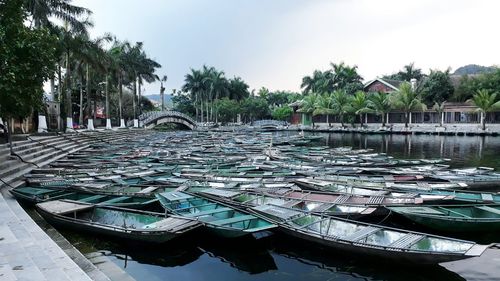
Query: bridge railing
(269, 122)
(147, 117)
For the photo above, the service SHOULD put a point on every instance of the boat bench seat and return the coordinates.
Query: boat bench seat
(148, 190)
(233, 220)
(489, 209)
(361, 233)
(116, 200)
(406, 241)
(209, 212)
(342, 199)
(194, 207)
(92, 198)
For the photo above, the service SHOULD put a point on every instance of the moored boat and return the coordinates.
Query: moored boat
(220, 218)
(454, 218)
(369, 239)
(117, 222)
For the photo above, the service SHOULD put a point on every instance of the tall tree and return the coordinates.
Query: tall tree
(437, 87)
(162, 91)
(325, 106)
(346, 78)
(407, 100)
(42, 13)
(360, 105)
(26, 62)
(341, 103)
(380, 103)
(310, 105)
(486, 102)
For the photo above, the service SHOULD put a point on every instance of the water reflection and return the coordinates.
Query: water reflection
(462, 150)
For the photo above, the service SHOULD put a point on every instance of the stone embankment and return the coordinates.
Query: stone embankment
(26, 251)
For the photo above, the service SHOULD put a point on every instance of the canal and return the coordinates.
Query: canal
(276, 257)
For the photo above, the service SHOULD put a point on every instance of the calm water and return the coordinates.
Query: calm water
(198, 257)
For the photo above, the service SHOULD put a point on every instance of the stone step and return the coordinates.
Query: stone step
(13, 167)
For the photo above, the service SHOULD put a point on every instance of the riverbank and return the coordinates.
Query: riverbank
(373, 128)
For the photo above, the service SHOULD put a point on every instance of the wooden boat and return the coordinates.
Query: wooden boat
(327, 186)
(455, 218)
(220, 218)
(248, 199)
(116, 222)
(35, 195)
(369, 239)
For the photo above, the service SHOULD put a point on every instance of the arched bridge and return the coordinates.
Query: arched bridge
(154, 118)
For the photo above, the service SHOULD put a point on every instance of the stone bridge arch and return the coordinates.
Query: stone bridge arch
(155, 118)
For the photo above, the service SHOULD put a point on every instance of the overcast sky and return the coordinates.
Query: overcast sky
(274, 43)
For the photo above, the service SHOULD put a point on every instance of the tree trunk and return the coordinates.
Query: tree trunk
(9, 137)
(139, 109)
(120, 95)
(328, 120)
(383, 119)
(80, 118)
(69, 109)
(88, 89)
(107, 96)
(361, 120)
(342, 120)
(59, 80)
(483, 120)
(201, 108)
(134, 90)
(196, 105)
(52, 86)
(406, 119)
(162, 92)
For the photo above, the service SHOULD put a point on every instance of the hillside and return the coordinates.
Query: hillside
(157, 99)
(471, 69)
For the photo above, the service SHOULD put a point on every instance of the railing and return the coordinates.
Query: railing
(269, 122)
(147, 117)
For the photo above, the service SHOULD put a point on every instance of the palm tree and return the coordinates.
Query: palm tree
(325, 105)
(319, 82)
(341, 103)
(346, 77)
(43, 11)
(309, 105)
(381, 104)
(439, 108)
(193, 84)
(407, 100)
(238, 89)
(360, 105)
(162, 91)
(485, 102)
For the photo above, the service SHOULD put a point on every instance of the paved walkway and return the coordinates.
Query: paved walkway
(27, 252)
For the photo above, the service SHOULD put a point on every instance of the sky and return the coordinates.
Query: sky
(274, 43)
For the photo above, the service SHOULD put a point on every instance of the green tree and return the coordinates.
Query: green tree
(184, 104)
(282, 113)
(309, 106)
(42, 12)
(409, 72)
(193, 84)
(470, 85)
(345, 78)
(360, 105)
(439, 108)
(380, 103)
(486, 102)
(325, 106)
(437, 87)
(27, 59)
(254, 109)
(406, 99)
(238, 89)
(227, 109)
(319, 82)
(342, 104)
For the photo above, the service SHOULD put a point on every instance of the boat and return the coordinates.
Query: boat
(368, 239)
(117, 222)
(33, 195)
(455, 218)
(220, 218)
(248, 199)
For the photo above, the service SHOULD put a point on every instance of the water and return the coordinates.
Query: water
(202, 257)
